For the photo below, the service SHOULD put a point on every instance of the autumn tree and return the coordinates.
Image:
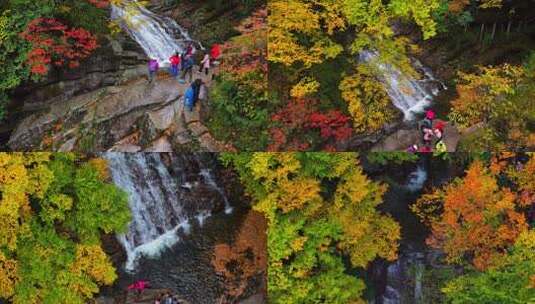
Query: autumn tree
(512, 281)
(499, 101)
(476, 218)
(320, 207)
(304, 36)
(240, 105)
(35, 35)
(301, 126)
(457, 6)
(53, 208)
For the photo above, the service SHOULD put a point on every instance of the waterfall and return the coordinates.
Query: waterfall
(164, 199)
(410, 96)
(417, 179)
(160, 37)
(207, 174)
(405, 279)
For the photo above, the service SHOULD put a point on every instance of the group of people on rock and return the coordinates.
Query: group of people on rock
(432, 135)
(183, 63)
(167, 298)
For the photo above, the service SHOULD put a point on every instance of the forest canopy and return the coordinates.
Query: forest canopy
(36, 35)
(53, 209)
(319, 207)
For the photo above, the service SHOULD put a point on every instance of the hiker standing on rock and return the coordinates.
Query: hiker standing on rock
(440, 145)
(187, 68)
(205, 64)
(153, 66)
(175, 64)
(192, 94)
(215, 52)
(196, 85)
(426, 127)
(189, 98)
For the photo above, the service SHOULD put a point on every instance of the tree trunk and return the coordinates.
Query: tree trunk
(481, 32)
(509, 28)
(493, 32)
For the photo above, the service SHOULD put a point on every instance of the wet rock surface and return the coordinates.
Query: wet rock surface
(136, 116)
(186, 269)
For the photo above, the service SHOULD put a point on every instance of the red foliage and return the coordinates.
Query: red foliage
(299, 118)
(331, 124)
(247, 52)
(292, 118)
(99, 3)
(57, 44)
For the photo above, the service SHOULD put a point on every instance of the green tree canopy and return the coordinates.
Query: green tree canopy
(320, 207)
(53, 208)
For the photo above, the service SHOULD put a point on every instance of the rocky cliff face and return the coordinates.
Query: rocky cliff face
(117, 60)
(107, 104)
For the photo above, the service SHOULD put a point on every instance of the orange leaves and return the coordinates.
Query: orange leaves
(479, 217)
(457, 6)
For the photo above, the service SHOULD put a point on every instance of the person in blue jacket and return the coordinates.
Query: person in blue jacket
(189, 98)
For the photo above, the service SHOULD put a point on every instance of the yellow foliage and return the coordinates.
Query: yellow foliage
(21, 176)
(92, 261)
(295, 193)
(367, 233)
(8, 276)
(306, 86)
(368, 102)
(102, 167)
(285, 19)
(481, 93)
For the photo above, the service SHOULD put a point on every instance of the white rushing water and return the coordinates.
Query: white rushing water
(162, 204)
(410, 96)
(160, 37)
(417, 179)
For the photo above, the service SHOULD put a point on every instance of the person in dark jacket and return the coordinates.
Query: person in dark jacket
(187, 68)
(197, 84)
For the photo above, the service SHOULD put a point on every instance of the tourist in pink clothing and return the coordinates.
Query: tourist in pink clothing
(205, 64)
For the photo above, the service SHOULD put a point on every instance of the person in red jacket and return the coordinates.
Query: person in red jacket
(215, 52)
(175, 64)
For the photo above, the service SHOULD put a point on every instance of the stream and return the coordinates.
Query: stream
(411, 96)
(406, 280)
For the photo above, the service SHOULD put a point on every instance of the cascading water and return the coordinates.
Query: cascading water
(160, 37)
(164, 200)
(410, 96)
(417, 179)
